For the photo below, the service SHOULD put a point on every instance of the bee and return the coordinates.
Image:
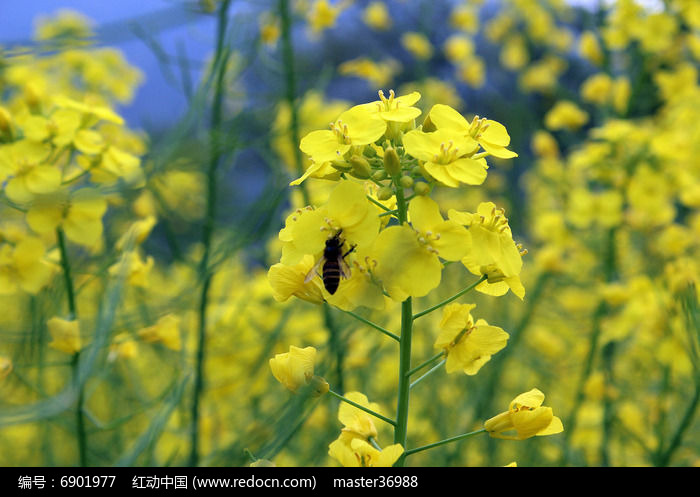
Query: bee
(334, 265)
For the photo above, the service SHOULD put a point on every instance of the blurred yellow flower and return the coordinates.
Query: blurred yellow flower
(65, 334)
(376, 16)
(166, 331)
(417, 45)
(352, 452)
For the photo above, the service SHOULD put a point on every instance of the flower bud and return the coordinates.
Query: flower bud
(360, 167)
(379, 175)
(385, 193)
(341, 166)
(421, 188)
(406, 182)
(392, 164)
(369, 152)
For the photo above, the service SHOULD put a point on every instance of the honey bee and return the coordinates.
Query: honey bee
(333, 262)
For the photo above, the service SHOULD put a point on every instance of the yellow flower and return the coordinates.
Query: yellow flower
(356, 421)
(79, 214)
(565, 115)
(322, 15)
(493, 251)
(352, 452)
(408, 258)
(491, 135)
(376, 16)
(446, 155)
(458, 48)
(287, 280)
(355, 127)
(418, 45)
(394, 109)
(123, 347)
(65, 334)
(468, 346)
(133, 268)
(527, 417)
(165, 331)
(377, 73)
(23, 162)
(294, 368)
(590, 48)
(24, 266)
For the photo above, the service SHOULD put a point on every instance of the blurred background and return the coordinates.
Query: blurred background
(202, 105)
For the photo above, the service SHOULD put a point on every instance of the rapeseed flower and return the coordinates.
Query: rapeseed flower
(294, 368)
(526, 417)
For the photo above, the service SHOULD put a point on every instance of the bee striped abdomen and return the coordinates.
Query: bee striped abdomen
(331, 275)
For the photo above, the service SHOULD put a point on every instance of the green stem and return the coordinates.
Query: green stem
(363, 408)
(665, 457)
(75, 363)
(424, 364)
(208, 229)
(335, 346)
(430, 371)
(380, 205)
(68, 279)
(443, 442)
(447, 301)
(291, 87)
(373, 325)
(402, 404)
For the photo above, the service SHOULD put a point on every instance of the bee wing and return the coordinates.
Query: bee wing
(314, 271)
(344, 268)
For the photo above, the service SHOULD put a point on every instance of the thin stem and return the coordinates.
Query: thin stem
(430, 371)
(291, 87)
(402, 404)
(373, 325)
(208, 229)
(72, 308)
(374, 443)
(380, 205)
(389, 213)
(447, 301)
(443, 442)
(424, 364)
(363, 408)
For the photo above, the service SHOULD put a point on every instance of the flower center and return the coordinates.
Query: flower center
(447, 153)
(341, 132)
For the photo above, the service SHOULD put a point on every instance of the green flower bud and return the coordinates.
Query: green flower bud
(417, 171)
(385, 193)
(406, 182)
(360, 167)
(379, 175)
(392, 164)
(421, 188)
(369, 152)
(341, 165)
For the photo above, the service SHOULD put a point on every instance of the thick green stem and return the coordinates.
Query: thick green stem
(363, 408)
(208, 229)
(443, 442)
(447, 301)
(73, 310)
(401, 428)
(336, 348)
(291, 87)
